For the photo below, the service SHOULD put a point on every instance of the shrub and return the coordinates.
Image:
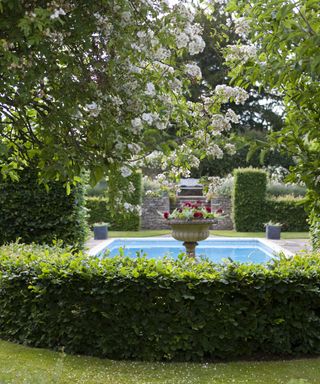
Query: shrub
(289, 211)
(158, 309)
(249, 199)
(282, 189)
(99, 209)
(31, 213)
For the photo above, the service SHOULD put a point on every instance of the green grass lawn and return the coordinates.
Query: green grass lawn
(22, 365)
(148, 233)
(284, 235)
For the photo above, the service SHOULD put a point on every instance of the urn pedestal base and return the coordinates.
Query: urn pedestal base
(190, 232)
(191, 248)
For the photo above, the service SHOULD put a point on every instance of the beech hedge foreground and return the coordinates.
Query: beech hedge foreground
(122, 308)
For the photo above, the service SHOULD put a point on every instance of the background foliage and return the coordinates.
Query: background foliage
(158, 309)
(31, 213)
(100, 210)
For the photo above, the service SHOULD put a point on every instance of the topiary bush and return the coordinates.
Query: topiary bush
(123, 308)
(248, 199)
(29, 212)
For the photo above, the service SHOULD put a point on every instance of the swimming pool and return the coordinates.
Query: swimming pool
(255, 251)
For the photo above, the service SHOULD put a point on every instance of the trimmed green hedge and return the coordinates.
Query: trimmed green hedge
(99, 209)
(29, 212)
(158, 309)
(249, 195)
(289, 211)
(252, 208)
(99, 212)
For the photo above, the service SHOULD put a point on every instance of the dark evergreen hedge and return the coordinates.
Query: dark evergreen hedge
(29, 212)
(158, 309)
(289, 211)
(252, 209)
(249, 196)
(99, 209)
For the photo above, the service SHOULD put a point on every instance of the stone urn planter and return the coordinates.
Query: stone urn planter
(190, 232)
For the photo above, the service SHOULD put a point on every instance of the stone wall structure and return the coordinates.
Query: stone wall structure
(223, 202)
(151, 206)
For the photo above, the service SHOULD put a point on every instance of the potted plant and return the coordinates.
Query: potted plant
(191, 223)
(273, 230)
(100, 231)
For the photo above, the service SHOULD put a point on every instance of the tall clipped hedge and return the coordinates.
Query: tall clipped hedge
(158, 309)
(289, 211)
(249, 196)
(98, 212)
(31, 213)
(99, 209)
(252, 208)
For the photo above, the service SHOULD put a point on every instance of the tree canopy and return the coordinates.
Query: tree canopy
(285, 57)
(97, 85)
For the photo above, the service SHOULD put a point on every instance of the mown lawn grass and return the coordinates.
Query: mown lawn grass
(284, 235)
(19, 364)
(147, 233)
(151, 233)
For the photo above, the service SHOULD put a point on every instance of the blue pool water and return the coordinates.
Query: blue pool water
(243, 251)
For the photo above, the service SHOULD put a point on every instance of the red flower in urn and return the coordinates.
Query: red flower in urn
(193, 211)
(166, 215)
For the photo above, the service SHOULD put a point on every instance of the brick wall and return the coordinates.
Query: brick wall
(150, 218)
(224, 203)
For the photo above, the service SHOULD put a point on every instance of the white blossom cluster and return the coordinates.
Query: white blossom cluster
(213, 185)
(125, 171)
(132, 208)
(214, 151)
(230, 149)
(166, 183)
(193, 70)
(190, 36)
(57, 13)
(277, 173)
(226, 93)
(93, 109)
(241, 53)
(242, 26)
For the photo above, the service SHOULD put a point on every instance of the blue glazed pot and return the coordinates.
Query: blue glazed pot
(273, 232)
(100, 232)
